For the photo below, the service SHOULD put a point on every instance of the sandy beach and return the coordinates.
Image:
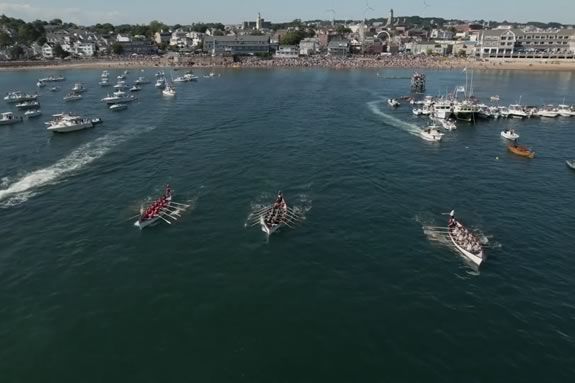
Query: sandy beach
(380, 62)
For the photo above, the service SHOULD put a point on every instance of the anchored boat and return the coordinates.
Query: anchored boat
(509, 134)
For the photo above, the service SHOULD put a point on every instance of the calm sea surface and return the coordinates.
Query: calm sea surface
(357, 292)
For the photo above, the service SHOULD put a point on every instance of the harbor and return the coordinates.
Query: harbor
(368, 193)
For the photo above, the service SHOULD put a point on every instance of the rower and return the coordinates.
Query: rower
(168, 191)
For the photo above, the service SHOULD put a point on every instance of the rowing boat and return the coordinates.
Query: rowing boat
(465, 241)
(521, 150)
(275, 217)
(156, 211)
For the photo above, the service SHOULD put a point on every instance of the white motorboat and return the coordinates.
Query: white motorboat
(169, 91)
(28, 105)
(118, 107)
(8, 118)
(120, 85)
(52, 79)
(548, 112)
(509, 134)
(135, 88)
(516, 111)
(442, 109)
(40, 84)
(448, 124)
(160, 83)
(104, 82)
(275, 217)
(16, 97)
(72, 97)
(417, 111)
(118, 99)
(54, 89)
(141, 81)
(465, 241)
(393, 102)
(431, 134)
(32, 113)
(162, 208)
(119, 93)
(105, 74)
(78, 88)
(121, 77)
(65, 123)
(565, 110)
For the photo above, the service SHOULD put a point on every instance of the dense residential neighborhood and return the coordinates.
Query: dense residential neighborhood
(56, 40)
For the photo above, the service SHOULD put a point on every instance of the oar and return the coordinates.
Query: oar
(177, 212)
(268, 208)
(159, 215)
(180, 204)
(169, 215)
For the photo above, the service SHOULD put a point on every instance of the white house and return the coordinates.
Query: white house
(287, 52)
(309, 46)
(85, 49)
(122, 39)
(48, 51)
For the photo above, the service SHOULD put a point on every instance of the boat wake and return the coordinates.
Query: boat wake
(375, 108)
(19, 191)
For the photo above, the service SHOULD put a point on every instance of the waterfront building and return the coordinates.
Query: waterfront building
(48, 50)
(518, 43)
(236, 45)
(309, 46)
(287, 52)
(162, 37)
(338, 48)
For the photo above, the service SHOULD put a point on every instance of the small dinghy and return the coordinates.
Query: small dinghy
(393, 102)
(522, 151)
(431, 134)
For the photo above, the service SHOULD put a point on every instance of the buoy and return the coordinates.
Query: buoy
(497, 157)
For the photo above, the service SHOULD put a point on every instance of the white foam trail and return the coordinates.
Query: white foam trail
(25, 187)
(391, 120)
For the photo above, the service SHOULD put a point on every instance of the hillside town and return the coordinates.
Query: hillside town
(261, 42)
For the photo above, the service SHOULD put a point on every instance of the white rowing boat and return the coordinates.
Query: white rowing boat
(465, 241)
(275, 217)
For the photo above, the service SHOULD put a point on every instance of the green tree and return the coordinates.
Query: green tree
(5, 39)
(218, 32)
(55, 22)
(157, 26)
(293, 37)
(342, 29)
(117, 49)
(16, 52)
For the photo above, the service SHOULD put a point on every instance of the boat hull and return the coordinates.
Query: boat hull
(521, 151)
(476, 259)
(72, 128)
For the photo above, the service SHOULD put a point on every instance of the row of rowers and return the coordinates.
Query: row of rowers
(154, 209)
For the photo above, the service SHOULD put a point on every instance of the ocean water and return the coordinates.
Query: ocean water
(358, 291)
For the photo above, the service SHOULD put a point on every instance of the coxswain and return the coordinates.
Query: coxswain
(168, 191)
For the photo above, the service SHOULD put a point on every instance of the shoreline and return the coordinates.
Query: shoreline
(389, 62)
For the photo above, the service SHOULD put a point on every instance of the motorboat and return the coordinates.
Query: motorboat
(417, 111)
(465, 241)
(393, 102)
(135, 88)
(509, 134)
(120, 85)
(275, 217)
(118, 99)
(169, 91)
(517, 111)
(104, 82)
(28, 105)
(465, 110)
(78, 88)
(141, 81)
(54, 89)
(448, 124)
(72, 97)
(118, 107)
(522, 151)
(565, 110)
(52, 79)
(8, 118)
(105, 74)
(32, 113)
(40, 84)
(431, 134)
(160, 83)
(65, 123)
(442, 109)
(119, 93)
(121, 77)
(548, 112)
(16, 97)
